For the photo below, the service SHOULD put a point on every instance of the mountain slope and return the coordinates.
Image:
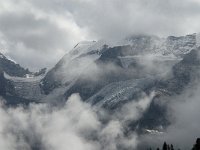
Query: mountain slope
(72, 63)
(124, 57)
(12, 68)
(19, 85)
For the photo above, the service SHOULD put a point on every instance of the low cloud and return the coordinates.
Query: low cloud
(74, 126)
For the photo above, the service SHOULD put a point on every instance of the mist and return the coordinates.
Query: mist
(183, 114)
(76, 126)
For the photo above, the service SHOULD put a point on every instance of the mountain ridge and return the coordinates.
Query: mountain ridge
(109, 77)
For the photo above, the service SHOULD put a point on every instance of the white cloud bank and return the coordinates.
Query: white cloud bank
(75, 126)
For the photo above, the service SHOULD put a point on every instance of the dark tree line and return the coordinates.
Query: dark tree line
(196, 145)
(166, 146)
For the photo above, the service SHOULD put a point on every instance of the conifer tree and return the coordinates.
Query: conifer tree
(164, 146)
(172, 147)
(168, 147)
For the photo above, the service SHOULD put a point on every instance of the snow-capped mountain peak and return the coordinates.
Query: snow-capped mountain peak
(144, 44)
(82, 47)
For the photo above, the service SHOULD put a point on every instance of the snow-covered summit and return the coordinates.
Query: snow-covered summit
(177, 46)
(144, 44)
(82, 47)
(88, 47)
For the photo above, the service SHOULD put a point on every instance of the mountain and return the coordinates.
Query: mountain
(125, 60)
(74, 61)
(11, 68)
(19, 85)
(116, 75)
(109, 75)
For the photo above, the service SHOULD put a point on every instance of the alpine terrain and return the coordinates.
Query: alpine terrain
(109, 75)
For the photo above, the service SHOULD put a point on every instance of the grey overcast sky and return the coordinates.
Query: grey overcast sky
(37, 33)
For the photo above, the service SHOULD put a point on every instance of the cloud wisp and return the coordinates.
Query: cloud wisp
(183, 113)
